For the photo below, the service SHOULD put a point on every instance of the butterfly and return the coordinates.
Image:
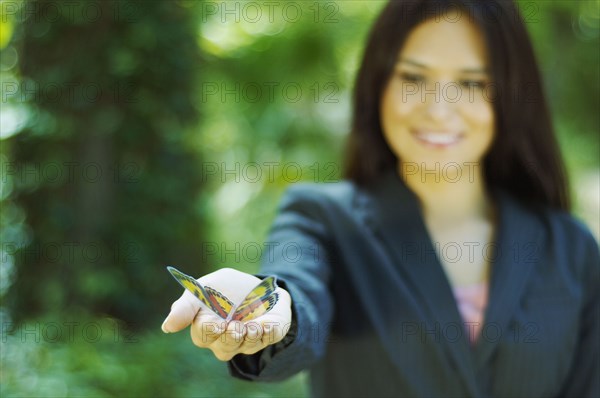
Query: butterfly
(261, 299)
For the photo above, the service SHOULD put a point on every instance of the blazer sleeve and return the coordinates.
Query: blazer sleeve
(298, 251)
(584, 375)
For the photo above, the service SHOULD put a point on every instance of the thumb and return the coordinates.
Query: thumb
(182, 313)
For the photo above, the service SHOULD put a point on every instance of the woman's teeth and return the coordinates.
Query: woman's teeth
(438, 138)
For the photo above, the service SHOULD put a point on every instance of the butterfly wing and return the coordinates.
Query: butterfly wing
(256, 308)
(222, 303)
(213, 299)
(259, 301)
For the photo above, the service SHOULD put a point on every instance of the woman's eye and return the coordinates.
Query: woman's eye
(473, 83)
(411, 77)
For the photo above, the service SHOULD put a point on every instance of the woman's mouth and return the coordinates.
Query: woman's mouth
(437, 139)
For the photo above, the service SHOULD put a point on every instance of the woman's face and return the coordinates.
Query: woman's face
(435, 109)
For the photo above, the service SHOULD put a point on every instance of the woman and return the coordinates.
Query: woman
(446, 264)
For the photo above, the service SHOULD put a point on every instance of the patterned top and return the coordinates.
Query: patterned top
(471, 301)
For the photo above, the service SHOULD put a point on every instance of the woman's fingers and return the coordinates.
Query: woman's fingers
(183, 312)
(247, 341)
(228, 340)
(276, 323)
(253, 341)
(254, 332)
(210, 331)
(274, 329)
(228, 345)
(206, 328)
(258, 333)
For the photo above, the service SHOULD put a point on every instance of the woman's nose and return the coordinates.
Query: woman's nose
(439, 101)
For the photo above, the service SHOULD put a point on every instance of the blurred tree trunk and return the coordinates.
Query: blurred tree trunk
(104, 172)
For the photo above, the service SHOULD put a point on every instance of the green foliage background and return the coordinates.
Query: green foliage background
(195, 101)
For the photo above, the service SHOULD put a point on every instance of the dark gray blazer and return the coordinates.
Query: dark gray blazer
(374, 313)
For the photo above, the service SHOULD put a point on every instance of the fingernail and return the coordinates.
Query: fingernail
(163, 327)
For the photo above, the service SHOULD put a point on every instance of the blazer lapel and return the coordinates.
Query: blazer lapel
(394, 214)
(519, 236)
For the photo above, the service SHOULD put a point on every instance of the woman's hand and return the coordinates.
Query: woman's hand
(208, 330)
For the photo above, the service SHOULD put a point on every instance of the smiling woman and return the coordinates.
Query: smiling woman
(429, 128)
(479, 75)
(433, 108)
(441, 265)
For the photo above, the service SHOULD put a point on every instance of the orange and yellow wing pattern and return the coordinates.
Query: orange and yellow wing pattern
(259, 301)
(213, 299)
(220, 301)
(256, 308)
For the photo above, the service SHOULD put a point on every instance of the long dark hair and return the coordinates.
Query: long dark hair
(524, 158)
